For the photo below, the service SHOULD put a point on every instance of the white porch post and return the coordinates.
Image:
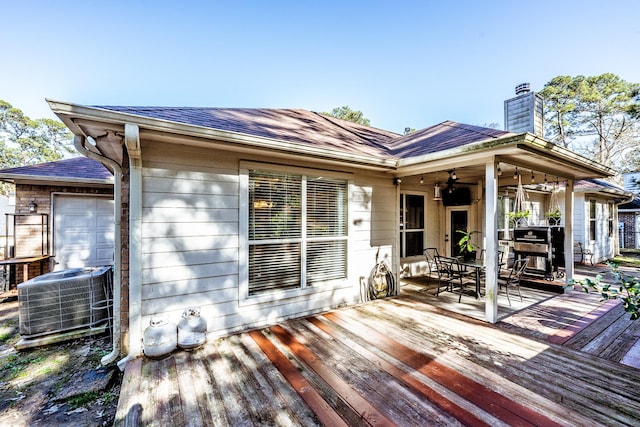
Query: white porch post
(491, 254)
(132, 141)
(568, 231)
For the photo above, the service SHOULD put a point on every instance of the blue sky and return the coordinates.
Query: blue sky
(402, 63)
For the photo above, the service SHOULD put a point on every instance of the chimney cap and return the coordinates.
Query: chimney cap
(523, 88)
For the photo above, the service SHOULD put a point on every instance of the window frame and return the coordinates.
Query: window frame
(243, 274)
(593, 219)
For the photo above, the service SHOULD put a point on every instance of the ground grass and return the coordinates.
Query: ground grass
(628, 258)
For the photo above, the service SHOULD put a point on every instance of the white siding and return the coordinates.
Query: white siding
(190, 233)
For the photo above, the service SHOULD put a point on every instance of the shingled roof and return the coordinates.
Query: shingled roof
(311, 128)
(441, 137)
(290, 125)
(77, 168)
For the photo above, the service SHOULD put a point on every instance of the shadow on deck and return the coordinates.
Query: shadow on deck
(399, 361)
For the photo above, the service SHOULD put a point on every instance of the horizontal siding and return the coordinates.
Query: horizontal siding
(169, 274)
(152, 245)
(190, 240)
(174, 258)
(188, 229)
(161, 293)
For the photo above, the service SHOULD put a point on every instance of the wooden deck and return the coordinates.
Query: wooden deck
(397, 361)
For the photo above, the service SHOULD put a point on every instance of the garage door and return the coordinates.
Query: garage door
(83, 231)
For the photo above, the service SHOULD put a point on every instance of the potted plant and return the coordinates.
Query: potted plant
(554, 216)
(519, 218)
(466, 246)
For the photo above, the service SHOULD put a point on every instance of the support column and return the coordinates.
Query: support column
(491, 230)
(568, 231)
(132, 142)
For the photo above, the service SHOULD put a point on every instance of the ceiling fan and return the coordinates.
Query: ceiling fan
(453, 178)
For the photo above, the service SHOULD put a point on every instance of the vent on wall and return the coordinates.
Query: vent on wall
(65, 300)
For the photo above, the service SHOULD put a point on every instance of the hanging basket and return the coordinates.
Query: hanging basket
(519, 216)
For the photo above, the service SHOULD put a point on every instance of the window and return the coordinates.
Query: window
(411, 224)
(297, 230)
(592, 220)
(610, 208)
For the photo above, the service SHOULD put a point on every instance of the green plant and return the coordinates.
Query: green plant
(625, 288)
(555, 214)
(465, 244)
(518, 215)
(83, 399)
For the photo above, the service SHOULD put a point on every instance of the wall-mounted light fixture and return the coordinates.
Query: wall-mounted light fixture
(499, 170)
(421, 180)
(515, 174)
(533, 177)
(437, 192)
(453, 175)
(397, 181)
(33, 207)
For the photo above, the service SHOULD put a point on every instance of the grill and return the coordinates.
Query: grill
(545, 248)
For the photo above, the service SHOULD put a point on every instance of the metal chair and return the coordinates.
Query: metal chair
(452, 274)
(513, 279)
(431, 254)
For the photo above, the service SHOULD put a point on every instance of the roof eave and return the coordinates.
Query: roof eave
(70, 113)
(15, 178)
(524, 141)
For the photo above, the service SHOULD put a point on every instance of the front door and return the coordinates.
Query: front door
(457, 219)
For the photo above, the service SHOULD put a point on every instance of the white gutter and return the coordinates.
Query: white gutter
(117, 256)
(132, 142)
(102, 115)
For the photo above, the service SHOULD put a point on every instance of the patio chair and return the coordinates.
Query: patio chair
(452, 275)
(513, 279)
(431, 254)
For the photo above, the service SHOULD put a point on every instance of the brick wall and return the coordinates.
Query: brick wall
(630, 232)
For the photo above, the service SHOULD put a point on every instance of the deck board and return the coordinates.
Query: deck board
(397, 361)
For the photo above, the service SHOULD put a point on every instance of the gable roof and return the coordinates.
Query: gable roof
(291, 125)
(290, 133)
(77, 169)
(440, 137)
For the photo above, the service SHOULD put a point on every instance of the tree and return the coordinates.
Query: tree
(24, 141)
(346, 113)
(594, 116)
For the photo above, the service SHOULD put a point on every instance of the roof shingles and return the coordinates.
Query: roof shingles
(75, 168)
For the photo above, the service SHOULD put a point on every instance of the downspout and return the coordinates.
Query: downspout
(78, 141)
(132, 142)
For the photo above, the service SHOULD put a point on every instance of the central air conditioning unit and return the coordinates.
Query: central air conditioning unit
(65, 300)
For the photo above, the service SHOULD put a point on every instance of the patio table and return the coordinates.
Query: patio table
(478, 265)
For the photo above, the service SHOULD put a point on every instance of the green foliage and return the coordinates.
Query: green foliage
(515, 216)
(554, 214)
(346, 113)
(25, 141)
(625, 288)
(595, 116)
(465, 244)
(14, 365)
